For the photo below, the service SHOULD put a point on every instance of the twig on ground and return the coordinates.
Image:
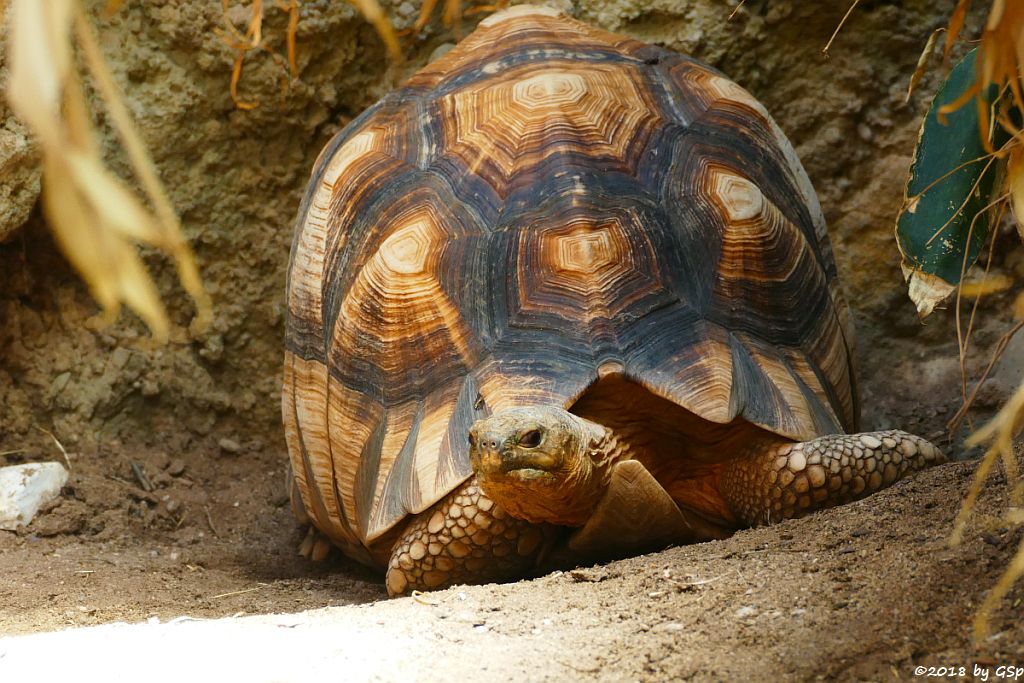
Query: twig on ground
(209, 520)
(64, 453)
(244, 590)
(418, 597)
(140, 476)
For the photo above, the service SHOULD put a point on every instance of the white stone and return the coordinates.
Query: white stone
(26, 488)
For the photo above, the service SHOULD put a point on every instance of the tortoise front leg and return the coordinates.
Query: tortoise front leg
(464, 538)
(794, 479)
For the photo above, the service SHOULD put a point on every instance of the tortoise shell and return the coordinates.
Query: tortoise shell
(544, 204)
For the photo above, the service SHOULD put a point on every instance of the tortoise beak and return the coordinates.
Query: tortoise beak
(486, 453)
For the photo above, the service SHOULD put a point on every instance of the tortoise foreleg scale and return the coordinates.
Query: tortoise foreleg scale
(793, 479)
(465, 538)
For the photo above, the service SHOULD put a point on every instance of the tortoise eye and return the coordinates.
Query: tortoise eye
(530, 439)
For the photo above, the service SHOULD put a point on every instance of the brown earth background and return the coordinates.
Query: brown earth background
(861, 592)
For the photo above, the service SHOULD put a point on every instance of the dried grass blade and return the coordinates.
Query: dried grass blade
(121, 210)
(236, 76)
(842, 22)
(1013, 572)
(40, 59)
(922, 62)
(956, 23)
(74, 227)
(293, 28)
(373, 13)
(144, 168)
(1015, 185)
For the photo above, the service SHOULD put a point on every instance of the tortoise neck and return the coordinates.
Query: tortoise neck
(610, 447)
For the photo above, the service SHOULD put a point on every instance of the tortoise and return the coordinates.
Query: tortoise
(565, 297)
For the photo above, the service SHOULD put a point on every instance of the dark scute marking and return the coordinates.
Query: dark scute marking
(366, 474)
(786, 313)
(670, 352)
(401, 492)
(319, 508)
(754, 396)
(564, 179)
(825, 422)
(525, 51)
(361, 198)
(472, 192)
(661, 334)
(304, 338)
(453, 458)
(840, 409)
(744, 143)
(561, 371)
(459, 273)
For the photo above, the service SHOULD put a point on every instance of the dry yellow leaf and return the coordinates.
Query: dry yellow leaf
(122, 210)
(992, 284)
(1015, 185)
(96, 219)
(1018, 307)
(74, 228)
(956, 23)
(40, 57)
(373, 13)
(922, 62)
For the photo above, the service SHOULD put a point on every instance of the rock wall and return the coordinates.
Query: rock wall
(236, 177)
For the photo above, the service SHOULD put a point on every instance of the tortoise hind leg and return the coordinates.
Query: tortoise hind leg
(465, 538)
(315, 546)
(794, 479)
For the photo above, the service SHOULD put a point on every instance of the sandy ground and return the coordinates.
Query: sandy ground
(868, 591)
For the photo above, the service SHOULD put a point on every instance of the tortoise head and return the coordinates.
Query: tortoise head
(542, 464)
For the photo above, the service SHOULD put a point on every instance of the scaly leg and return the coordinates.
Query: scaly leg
(794, 479)
(464, 538)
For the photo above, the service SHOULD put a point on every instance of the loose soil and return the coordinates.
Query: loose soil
(867, 591)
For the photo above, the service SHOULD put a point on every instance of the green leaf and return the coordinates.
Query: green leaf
(952, 184)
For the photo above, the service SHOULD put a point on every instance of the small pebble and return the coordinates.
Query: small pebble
(229, 445)
(991, 539)
(24, 489)
(670, 627)
(176, 468)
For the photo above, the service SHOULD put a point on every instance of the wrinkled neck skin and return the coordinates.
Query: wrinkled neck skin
(566, 493)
